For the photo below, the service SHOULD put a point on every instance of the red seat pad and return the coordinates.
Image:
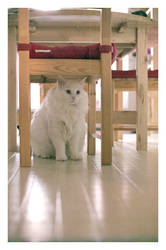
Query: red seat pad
(132, 73)
(68, 52)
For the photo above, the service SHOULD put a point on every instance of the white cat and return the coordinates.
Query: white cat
(58, 128)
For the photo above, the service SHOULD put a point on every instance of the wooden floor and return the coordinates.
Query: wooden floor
(82, 201)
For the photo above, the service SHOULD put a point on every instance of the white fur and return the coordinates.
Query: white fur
(58, 128)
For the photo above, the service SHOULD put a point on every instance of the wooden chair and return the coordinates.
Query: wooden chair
(77, 67)
(128, 118)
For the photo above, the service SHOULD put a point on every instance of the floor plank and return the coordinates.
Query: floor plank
(82, 201)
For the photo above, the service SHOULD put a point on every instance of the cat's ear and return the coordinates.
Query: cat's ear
(83, 80)
(61, 81)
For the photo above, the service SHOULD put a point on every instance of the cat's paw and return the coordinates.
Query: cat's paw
(61, 158)
(43, 155)
(47, 156)
(76, 156)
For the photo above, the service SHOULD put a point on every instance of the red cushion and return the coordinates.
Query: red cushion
(68, 52)
(132, 73)
(153, 73)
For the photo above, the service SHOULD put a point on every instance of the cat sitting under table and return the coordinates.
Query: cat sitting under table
(58, 128)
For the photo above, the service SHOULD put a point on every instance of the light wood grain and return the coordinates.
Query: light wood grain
(153, 108)
(155, 14)
(64, 67)
(155, 55)
(124, 117)
(12, 143)
(155, 58)
(133, 127)
(154, 95)
(118, 135)
(128, 127)
(129, 84)
(119, 117)
(85, 26)
(82, 16)
(24, 90)
(106, 91)
(141, 92)
(86, 34)
(47, 79)
(91, 116)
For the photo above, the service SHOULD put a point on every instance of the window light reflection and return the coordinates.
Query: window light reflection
(36, 210)
(58, 208)
(98, 197)
(58, 229)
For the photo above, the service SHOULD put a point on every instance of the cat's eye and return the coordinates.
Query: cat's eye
(78, 92)
(68, 91)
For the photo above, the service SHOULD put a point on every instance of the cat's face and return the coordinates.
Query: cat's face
(71, 90)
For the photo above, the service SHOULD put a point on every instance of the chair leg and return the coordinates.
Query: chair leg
(91, 117)
(106, 91)
(106, 112)
(24, 93)
(118, 135)
(12, 116)
(141, 91)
